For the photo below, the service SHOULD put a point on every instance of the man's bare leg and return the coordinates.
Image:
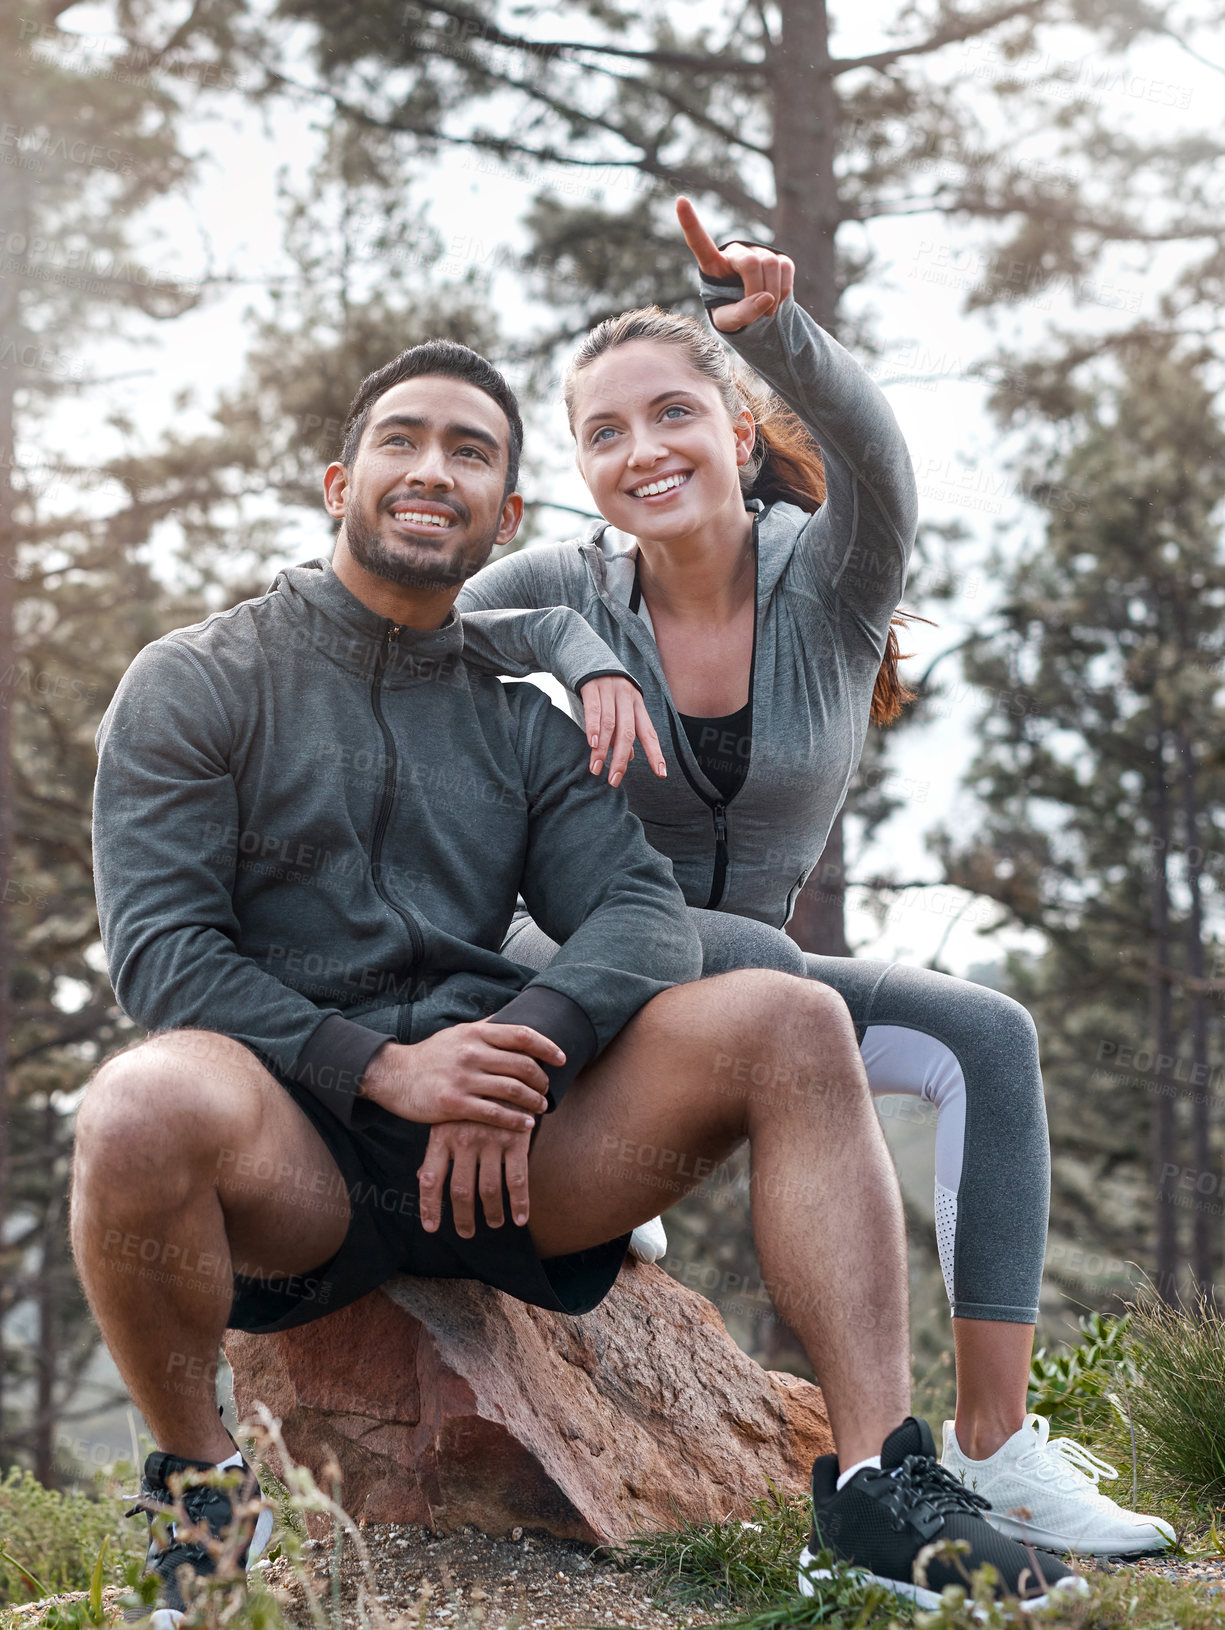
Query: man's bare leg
(701, 1068)
(167, 1198)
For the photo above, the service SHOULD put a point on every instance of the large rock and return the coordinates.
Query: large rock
(445, 1403)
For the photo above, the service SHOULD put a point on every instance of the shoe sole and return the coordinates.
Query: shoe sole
(919, 1594)
(1046, 1540)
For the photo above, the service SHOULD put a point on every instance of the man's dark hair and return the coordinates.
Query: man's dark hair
(452, 361)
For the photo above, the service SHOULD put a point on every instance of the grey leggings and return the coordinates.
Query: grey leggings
(966, 1049)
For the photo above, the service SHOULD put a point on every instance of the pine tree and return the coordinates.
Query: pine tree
(1103, 792)
(90, 139)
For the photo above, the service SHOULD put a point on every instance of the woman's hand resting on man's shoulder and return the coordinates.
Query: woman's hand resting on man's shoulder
(614, 714)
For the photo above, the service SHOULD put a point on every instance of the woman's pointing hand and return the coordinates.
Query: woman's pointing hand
(768, 278)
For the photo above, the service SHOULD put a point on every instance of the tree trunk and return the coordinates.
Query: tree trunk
(13, 215)
(806, 224)
(819, 921)
(804, 148)
(46, 1359)
(1203, 1252)
(1162, 1029)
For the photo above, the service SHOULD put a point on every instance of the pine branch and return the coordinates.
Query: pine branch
(490, 34)
(1043, 209)
(1182, 44)
(575, 115)
(82, 1025)
(678, 177)
(655, 87)
(951, 34)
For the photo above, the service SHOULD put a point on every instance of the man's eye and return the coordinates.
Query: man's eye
(676, 408)
(398, 441)
(477, 452)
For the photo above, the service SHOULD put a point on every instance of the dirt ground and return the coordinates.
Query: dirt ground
(466, 1579)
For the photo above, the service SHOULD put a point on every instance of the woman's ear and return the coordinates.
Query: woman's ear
(744, 427)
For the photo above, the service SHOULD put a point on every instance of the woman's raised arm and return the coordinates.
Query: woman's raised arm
(858, 543)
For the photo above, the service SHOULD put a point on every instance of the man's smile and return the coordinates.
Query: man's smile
(421, 516)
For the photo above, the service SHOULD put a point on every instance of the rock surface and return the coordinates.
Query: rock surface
(447, 1403)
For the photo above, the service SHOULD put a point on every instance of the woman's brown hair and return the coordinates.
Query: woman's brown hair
(785, 465)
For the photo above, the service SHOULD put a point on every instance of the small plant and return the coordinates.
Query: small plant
(1078, 1387)
(843, 1599)
(50, 1541)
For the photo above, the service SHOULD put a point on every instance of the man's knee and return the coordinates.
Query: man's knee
(784, 1007)
(170, 1093)
(787, 1040)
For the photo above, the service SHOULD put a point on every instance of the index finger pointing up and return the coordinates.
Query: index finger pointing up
(705, 250)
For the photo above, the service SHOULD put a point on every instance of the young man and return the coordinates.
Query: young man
(313, 815)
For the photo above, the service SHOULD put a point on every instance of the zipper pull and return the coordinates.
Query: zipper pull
(720, 814)
(393, 633)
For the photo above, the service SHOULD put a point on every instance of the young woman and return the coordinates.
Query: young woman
(751, 559)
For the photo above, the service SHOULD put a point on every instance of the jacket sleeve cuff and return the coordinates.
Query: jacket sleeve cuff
(606, 673)
(725, 291)
(562, 1021)
(332, 1063)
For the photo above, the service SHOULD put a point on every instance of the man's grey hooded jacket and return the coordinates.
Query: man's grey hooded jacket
(310, 828)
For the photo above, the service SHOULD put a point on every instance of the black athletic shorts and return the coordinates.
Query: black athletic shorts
(378, 1156)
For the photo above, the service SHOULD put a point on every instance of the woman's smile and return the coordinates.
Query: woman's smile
(660, 488)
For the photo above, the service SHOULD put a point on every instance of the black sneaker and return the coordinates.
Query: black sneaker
(216, 1538)
(880, 1521)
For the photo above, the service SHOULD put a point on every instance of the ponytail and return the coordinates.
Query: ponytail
(785, 465)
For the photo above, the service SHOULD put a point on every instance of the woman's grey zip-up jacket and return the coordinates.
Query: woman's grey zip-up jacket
(310, 828)
(827, 585)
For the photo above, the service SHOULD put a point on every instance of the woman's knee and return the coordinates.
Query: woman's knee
(732, 944)
(529, 945)
(991, 1022)
(973, 1020)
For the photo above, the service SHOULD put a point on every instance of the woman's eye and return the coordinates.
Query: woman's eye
(601, 434)
(675, 408)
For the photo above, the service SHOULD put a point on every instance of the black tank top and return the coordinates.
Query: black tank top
(722, 747)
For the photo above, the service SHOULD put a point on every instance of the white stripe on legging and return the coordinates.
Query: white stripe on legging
(907, 1061)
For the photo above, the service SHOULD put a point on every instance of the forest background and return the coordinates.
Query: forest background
(217, 215)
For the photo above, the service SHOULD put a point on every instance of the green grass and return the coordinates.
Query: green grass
(749, 1571)
(743, 1564)
(64, 1543)
(1179, 1409)
(1154, 1380)
(49, 1542)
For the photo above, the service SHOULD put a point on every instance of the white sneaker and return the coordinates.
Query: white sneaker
(649, 1242)
(1043, 1491)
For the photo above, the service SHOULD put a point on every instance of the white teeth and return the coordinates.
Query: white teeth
(653, 487)
(421, 517)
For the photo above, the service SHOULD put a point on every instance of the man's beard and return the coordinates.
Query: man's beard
(420, 568)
